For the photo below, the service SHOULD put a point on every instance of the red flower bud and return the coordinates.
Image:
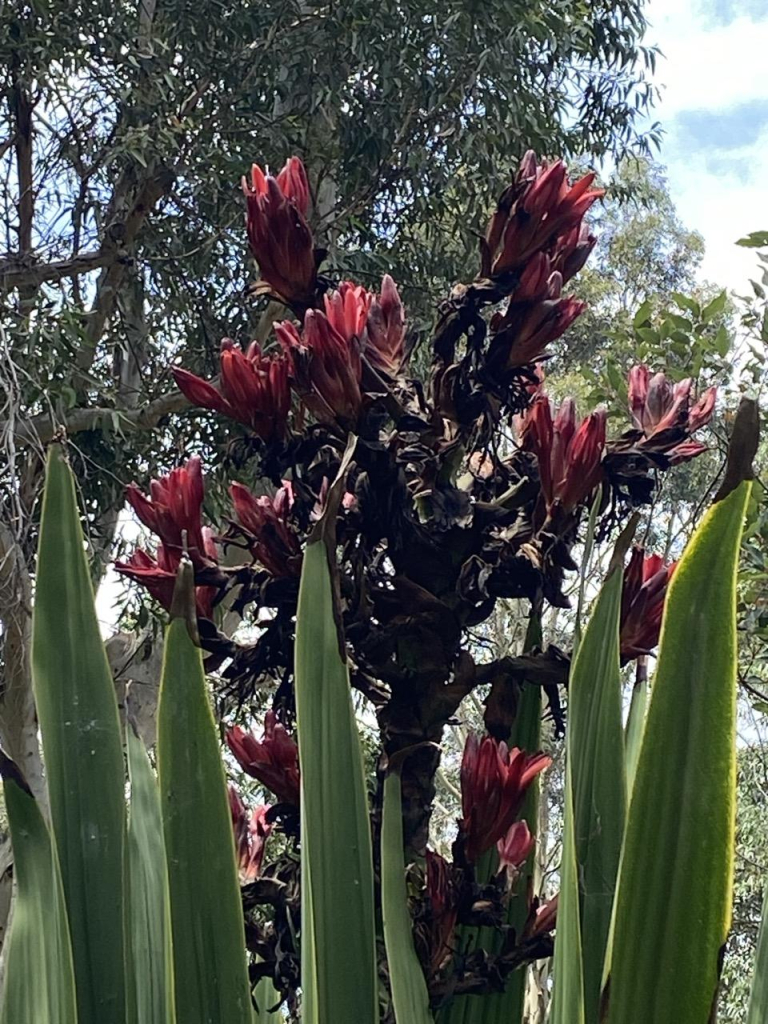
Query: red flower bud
(326, 368)
(274, 543)
(280, 238)
(570, 458)
(544, 918)
(251, 832)
(584, 461)
(494, 781)
(702, 411)
(534, 280)
(347, 309)
(293, 183)
(158, 575)
(514, 848)
(573, 251)
(385, 350)
(254, 389)
(173, 509)
(646, 579)
(274, 761)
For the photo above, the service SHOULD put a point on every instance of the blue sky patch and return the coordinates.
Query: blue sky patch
(734, 128)
(723, 12)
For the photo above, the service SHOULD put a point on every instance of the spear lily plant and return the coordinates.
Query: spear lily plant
(385, 518)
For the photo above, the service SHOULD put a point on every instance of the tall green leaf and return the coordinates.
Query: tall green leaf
(595, 747)
(568, 992)
(77, 710)
(267, 1000)
(338, 935)
(208, 939)
(636, 722)
(596, 780)
(39, 973)
(150, 978)
(410, 998)
(674, 896)
(758, 997)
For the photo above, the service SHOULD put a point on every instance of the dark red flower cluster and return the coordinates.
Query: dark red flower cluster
(172, 512)
(663, 413)
(280, 237)
(265, 518)
(326, 368)
(534, 245)
(251, 830)
(494, 781)
(254, 389)
(274, 760)
(569, 456)
(646, 579)
(323, 361)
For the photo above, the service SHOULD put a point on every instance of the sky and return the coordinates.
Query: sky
(714, 111)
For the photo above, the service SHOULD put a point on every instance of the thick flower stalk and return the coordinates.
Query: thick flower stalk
(646, 579)
(272, 541)
(279, 235)
(494, 781)
(274, 760)
(434, 522)
(251, 830)
(253, 389)
(569, 456)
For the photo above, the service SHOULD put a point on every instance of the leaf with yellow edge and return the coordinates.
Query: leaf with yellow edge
(208, 937)
(82, 743)
(39, 974)
(674, 897)
(338, 939)
(410, 998)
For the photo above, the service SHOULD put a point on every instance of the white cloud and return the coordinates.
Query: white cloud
(723, 205)
(723, 193)
(707, 66)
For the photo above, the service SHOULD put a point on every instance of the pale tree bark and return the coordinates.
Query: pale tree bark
(134, 197)
(18, 722)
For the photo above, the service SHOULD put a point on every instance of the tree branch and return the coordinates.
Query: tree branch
(18, 270)
(21, 106)
(41, 429)
(124, 232)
